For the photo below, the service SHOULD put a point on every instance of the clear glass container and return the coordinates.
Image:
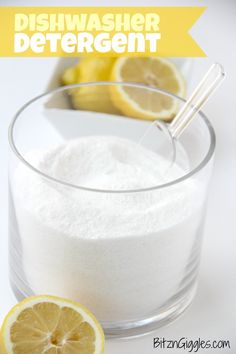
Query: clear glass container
(133, 282)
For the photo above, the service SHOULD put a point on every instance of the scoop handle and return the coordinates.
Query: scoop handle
(199, 97)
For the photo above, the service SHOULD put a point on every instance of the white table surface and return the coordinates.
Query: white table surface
(213, 312)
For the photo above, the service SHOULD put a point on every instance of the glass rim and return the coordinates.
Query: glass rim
(186, 176)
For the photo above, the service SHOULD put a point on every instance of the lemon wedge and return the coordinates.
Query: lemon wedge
(153, 72)
(51, 325)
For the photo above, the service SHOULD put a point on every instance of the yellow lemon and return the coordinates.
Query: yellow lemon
(92, 98)
(51, 325)
(70, 75)
(153, 72)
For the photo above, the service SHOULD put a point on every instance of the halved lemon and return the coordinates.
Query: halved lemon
(153, 72)
(51, 325)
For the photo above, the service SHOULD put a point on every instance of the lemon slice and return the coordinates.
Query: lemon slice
(154, 72)
(51, 325)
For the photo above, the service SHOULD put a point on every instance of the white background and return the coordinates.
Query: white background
(213, 312)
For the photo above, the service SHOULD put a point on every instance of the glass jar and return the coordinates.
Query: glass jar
(130, 256)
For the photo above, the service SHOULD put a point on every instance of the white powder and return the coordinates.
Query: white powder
(122, 255)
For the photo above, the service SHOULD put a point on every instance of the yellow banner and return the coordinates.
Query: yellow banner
(98, 31)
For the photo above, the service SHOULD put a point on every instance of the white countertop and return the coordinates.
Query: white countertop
(213, 312)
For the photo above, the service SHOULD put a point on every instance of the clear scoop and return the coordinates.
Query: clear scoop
(167, 135)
